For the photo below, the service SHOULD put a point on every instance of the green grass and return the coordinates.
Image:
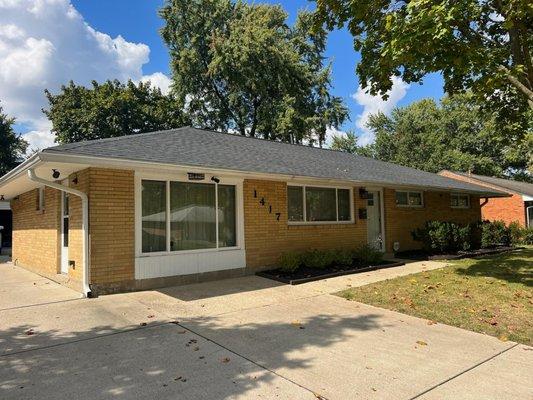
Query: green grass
(492, 295)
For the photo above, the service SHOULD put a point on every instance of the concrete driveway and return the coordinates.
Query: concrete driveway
(244, 338)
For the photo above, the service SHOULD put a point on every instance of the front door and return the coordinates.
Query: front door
(64, 232)
(373, 223)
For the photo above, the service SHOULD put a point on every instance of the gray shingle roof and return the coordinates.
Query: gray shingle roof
(505, 184)
(195, 147)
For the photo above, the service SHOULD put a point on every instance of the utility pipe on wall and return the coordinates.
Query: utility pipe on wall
(86, 290)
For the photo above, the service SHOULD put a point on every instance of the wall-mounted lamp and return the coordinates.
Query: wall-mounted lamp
(75, 180)
(215, 179)
(363, 194)
(56, 174)
(2, 198)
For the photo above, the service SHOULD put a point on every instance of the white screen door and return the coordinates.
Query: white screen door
(373, 222)
(64, 232)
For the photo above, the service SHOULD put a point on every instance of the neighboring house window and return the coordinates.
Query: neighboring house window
(40, 199)
(459, 200)
(530, 217)
(187, 216)
(318, 204)
(409, 199)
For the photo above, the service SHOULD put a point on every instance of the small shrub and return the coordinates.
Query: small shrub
(516, 233)
(495, 234)
(317, 259)
(442, 237)
(343, 258)
(368, 255)
(290, 262)
(528, 236)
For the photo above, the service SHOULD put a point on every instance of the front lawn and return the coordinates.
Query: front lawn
(491, 295)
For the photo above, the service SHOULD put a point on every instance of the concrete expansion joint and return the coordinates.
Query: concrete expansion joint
(464, 371)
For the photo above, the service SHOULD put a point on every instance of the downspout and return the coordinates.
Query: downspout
(86, 290)
(484, 202)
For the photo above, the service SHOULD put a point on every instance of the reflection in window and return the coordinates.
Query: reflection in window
(154, 219)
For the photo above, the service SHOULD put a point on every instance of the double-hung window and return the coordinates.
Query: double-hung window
(459, 200)
(318, 204)
(409, 198)
(179, 216)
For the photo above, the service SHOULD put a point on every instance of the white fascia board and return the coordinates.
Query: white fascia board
(138, 165)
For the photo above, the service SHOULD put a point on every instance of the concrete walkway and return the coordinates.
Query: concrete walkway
(243, 338)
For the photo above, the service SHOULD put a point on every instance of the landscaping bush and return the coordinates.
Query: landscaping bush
(442, 237)
(343, 258)
(290, 262)
(317, 259)
(528, 236)
(368, 255)
(495, 234)
(516, 233)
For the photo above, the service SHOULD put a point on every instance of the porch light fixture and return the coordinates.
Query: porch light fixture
(215, 179)
(2, 198)
(363, 194)
(75, 180)
(56, 174)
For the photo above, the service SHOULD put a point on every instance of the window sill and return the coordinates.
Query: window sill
(407, 206)
(315, 223)
(460, 207)
(184, 252)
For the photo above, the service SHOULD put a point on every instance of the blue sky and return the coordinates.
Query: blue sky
(119, 39)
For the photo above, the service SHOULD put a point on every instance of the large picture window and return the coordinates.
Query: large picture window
(318, 204)
(197, 216)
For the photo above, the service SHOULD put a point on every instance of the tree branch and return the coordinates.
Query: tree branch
(517, 84)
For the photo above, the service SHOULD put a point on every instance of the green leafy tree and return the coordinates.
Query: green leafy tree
(110, 109)
(349, 144)
(482, 45)
(456, 134)
(12, 146)
(239, 67)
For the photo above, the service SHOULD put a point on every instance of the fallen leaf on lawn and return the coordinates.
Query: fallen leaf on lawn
(225, 360)
(150, 316)
(143, 324)
(431, 322)
(503, 337)
(421, 343)
(30, 332)
(374, 389)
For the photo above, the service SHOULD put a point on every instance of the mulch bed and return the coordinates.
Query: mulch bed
(425, 256)
(305, 274)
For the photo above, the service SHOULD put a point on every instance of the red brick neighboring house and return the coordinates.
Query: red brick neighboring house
(518, 207)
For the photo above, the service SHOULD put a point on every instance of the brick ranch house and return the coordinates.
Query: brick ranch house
(518, 207)
(185, 205)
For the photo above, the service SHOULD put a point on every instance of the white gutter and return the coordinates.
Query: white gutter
(86, 290)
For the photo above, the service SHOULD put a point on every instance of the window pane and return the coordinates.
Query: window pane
(401, 198)
(415, 199)
(454, 202)
(295, 203)
(192, 216)
(343, 196)
(320, 204)
(227, 231)
(462, 201)
(154, 217)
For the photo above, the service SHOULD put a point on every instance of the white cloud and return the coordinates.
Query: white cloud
(159, 80)
(374, 104)
(46, 43)
(332, 132)
(39, 140)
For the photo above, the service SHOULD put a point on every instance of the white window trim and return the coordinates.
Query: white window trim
(304, 222)
(410, 205)
(460, 194)
(182, 177)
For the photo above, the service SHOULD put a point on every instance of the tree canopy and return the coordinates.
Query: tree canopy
(239, 67)
(110, 109)
(456, 134)
(12, 146)
(481, 45)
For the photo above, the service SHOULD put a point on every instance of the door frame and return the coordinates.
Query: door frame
(64, 259)
(382, 216)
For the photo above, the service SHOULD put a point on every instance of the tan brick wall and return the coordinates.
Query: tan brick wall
(266, 238)
(112, 222)
(401, 221)
(36, 233)
(507, 209)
